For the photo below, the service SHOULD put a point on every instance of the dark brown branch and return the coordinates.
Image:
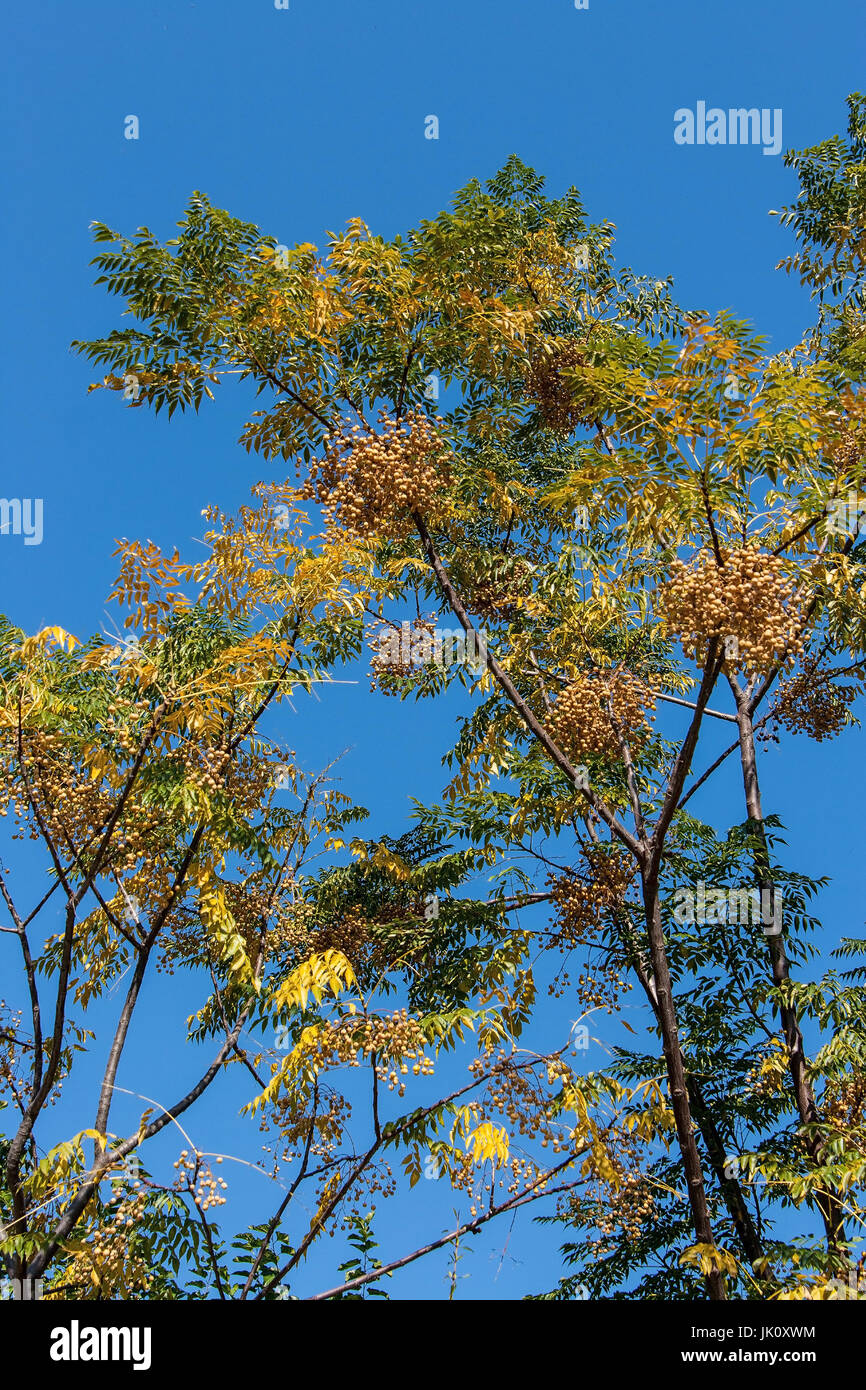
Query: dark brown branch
(513, 695)
(278, 1214)
(109, 1159)
(519, 1200)
(684, 758)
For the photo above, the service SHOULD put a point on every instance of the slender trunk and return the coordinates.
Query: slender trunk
(106, 1094)
(677, 1082)
(828, 1203)
(730, 1187)
(18, 1225)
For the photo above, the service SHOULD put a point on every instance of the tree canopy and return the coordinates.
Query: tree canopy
(638, 522)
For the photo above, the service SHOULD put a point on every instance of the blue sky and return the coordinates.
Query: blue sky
(297, 120)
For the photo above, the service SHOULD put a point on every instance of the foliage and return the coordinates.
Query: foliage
(641, 506)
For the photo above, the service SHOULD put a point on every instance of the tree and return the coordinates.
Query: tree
(143, 771)
(642, 508)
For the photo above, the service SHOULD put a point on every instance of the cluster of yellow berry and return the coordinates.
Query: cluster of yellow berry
(748, 602)
(376, 1178)
(207, 769)
(348, 933)
(395, 1039)
(809, 703)
(322, 1124)
(582, 900)
(198, 1178)
(601, 990)
(370, 482)
(398, 651)
(547, 385)
(844, 1105)
(525, 1174)
(250, 906)
(592, 708)
(847, 454)
(74, 804)
(627, 1209)
(9, 1048)
(497, 592)
(514, 1092)
(113, 1266)
(466, 1175)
